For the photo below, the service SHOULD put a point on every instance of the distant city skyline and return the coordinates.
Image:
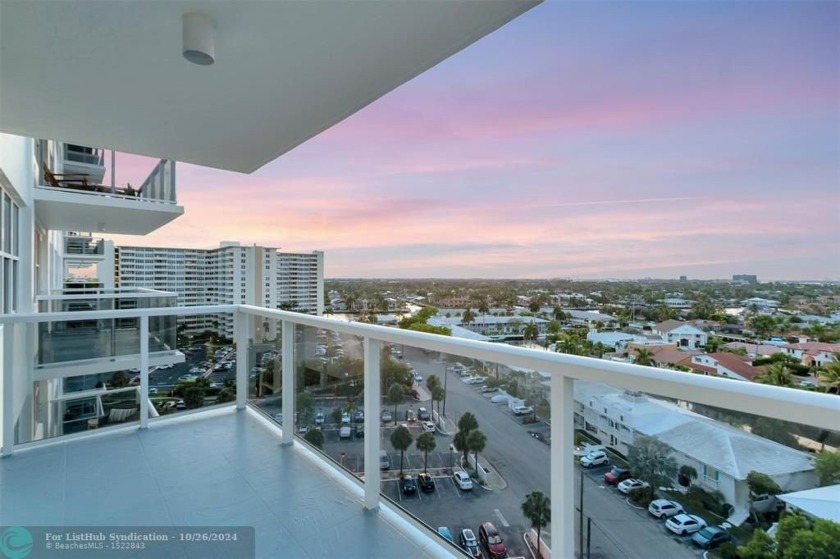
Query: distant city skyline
(583, 140)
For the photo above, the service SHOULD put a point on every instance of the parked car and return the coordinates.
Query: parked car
(345, 432)
(499, 399)
(359, 431)
(597, 458)
(478, 380)
(683, 524)
(586, 448)
(407, 485)
(410, 416)
(423, 414)
(418, 377)
(629, 485)
(384, 460)
(462, 480)
(491, 539)
(444, 531)
(486, 389)
(359, 416)
(429, 427)
(616, 475)
(522, 410)
(663, 508)
(426, 483)
(469, 543)
(386, 416)
(319, 418)
(710, 537)
(345, 418)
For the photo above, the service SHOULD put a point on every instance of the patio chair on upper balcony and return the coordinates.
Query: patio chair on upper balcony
(66, 180)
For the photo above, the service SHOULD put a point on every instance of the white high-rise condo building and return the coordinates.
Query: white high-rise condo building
(229, 275)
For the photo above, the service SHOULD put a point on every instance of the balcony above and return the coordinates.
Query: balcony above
(85, 160)
(284, 71)
(74, 203)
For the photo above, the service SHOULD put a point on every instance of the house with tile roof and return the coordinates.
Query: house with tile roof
(682, 334)
(721, 454)
(812, 353)
(727, 365)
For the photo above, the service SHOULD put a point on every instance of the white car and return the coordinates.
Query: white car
(597, 458)
(663, 508)
(462, 480)
(629, 485)
(522, 410)
(319, 418)
(683, 524)
(345, 418)
(587, 448)
(429, 427)
(499, 399)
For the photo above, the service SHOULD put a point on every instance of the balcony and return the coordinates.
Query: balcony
(85, 160)
(71, 202)
(314, 498)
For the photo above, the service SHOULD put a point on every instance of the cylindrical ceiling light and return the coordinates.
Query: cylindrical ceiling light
(199, 44)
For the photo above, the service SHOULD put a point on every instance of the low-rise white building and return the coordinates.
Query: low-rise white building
(682, 334)
(721, 454)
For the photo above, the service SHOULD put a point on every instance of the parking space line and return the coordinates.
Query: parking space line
(502, 518)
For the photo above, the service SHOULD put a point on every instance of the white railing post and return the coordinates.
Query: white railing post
(240, 338)
(562, 467)
(173, 196)
(144, 372)
(288, 380)
(372, 424)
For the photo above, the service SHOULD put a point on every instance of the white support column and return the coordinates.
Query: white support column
(144, 372)
(7, 427)
(373, 431)
(562, 467)
(240, 338)
(288, 375)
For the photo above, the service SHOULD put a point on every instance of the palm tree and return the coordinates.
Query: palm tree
(468, 317)
(777, 374)
(438, 394)
(476, 441)
(643, 357)
(830, 374)
(431, 383)
(395, 396)
(537, 509)
(467, 422)
(531, 331)
(401, 439)
(426, 443)
(459, 441)
(483, 308)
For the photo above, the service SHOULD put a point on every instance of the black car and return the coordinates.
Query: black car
(427, 484)
(359, 431)
(710, 537)
(407, 485)
(359, 417)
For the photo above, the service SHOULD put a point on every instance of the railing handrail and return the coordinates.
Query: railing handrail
(811, 408)
(97, 293)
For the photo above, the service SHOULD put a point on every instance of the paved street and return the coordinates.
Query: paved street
(524, 463)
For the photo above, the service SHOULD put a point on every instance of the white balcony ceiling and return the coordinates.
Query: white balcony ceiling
(111, 73)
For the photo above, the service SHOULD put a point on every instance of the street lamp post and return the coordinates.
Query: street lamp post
(445, 381)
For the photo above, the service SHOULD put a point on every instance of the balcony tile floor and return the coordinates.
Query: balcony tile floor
(219, 468)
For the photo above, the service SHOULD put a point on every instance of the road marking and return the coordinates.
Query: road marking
(501, 518)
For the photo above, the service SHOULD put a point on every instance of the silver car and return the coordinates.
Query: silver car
(663, 508)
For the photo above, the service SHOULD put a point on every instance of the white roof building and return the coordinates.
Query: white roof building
(820, 502)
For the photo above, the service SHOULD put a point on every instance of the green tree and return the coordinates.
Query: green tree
(763, 325)
(476, 441)
(775, 430)
(194, 397)
(537, 509)
(534, 306)
(119, 380)
(650, 460)
(827, 465)
(531, 331)
(643, 357)
(558, 313)
(395, 396)
(820, 541)
(686, 475)
(483, 307)
(432, 382)
(760, 546)
(401, 439)
(468, 317)
(315, 437)
(225, 395)
(467, 422)
(459, 441)
(438, 394)
(762, 484)
(426, 443)
(777, 374)
(830, 374)
(714, 344)
(788, 529)
(304, 403)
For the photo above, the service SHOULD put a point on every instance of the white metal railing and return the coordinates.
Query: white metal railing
(72, 293)
(159, 186)
(810, 408)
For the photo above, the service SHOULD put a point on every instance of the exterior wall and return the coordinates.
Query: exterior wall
(686, 336)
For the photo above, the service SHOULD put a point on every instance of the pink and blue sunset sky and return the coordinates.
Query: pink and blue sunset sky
(583, 140)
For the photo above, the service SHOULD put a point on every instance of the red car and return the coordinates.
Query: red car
(492, 541)
(617, 475)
